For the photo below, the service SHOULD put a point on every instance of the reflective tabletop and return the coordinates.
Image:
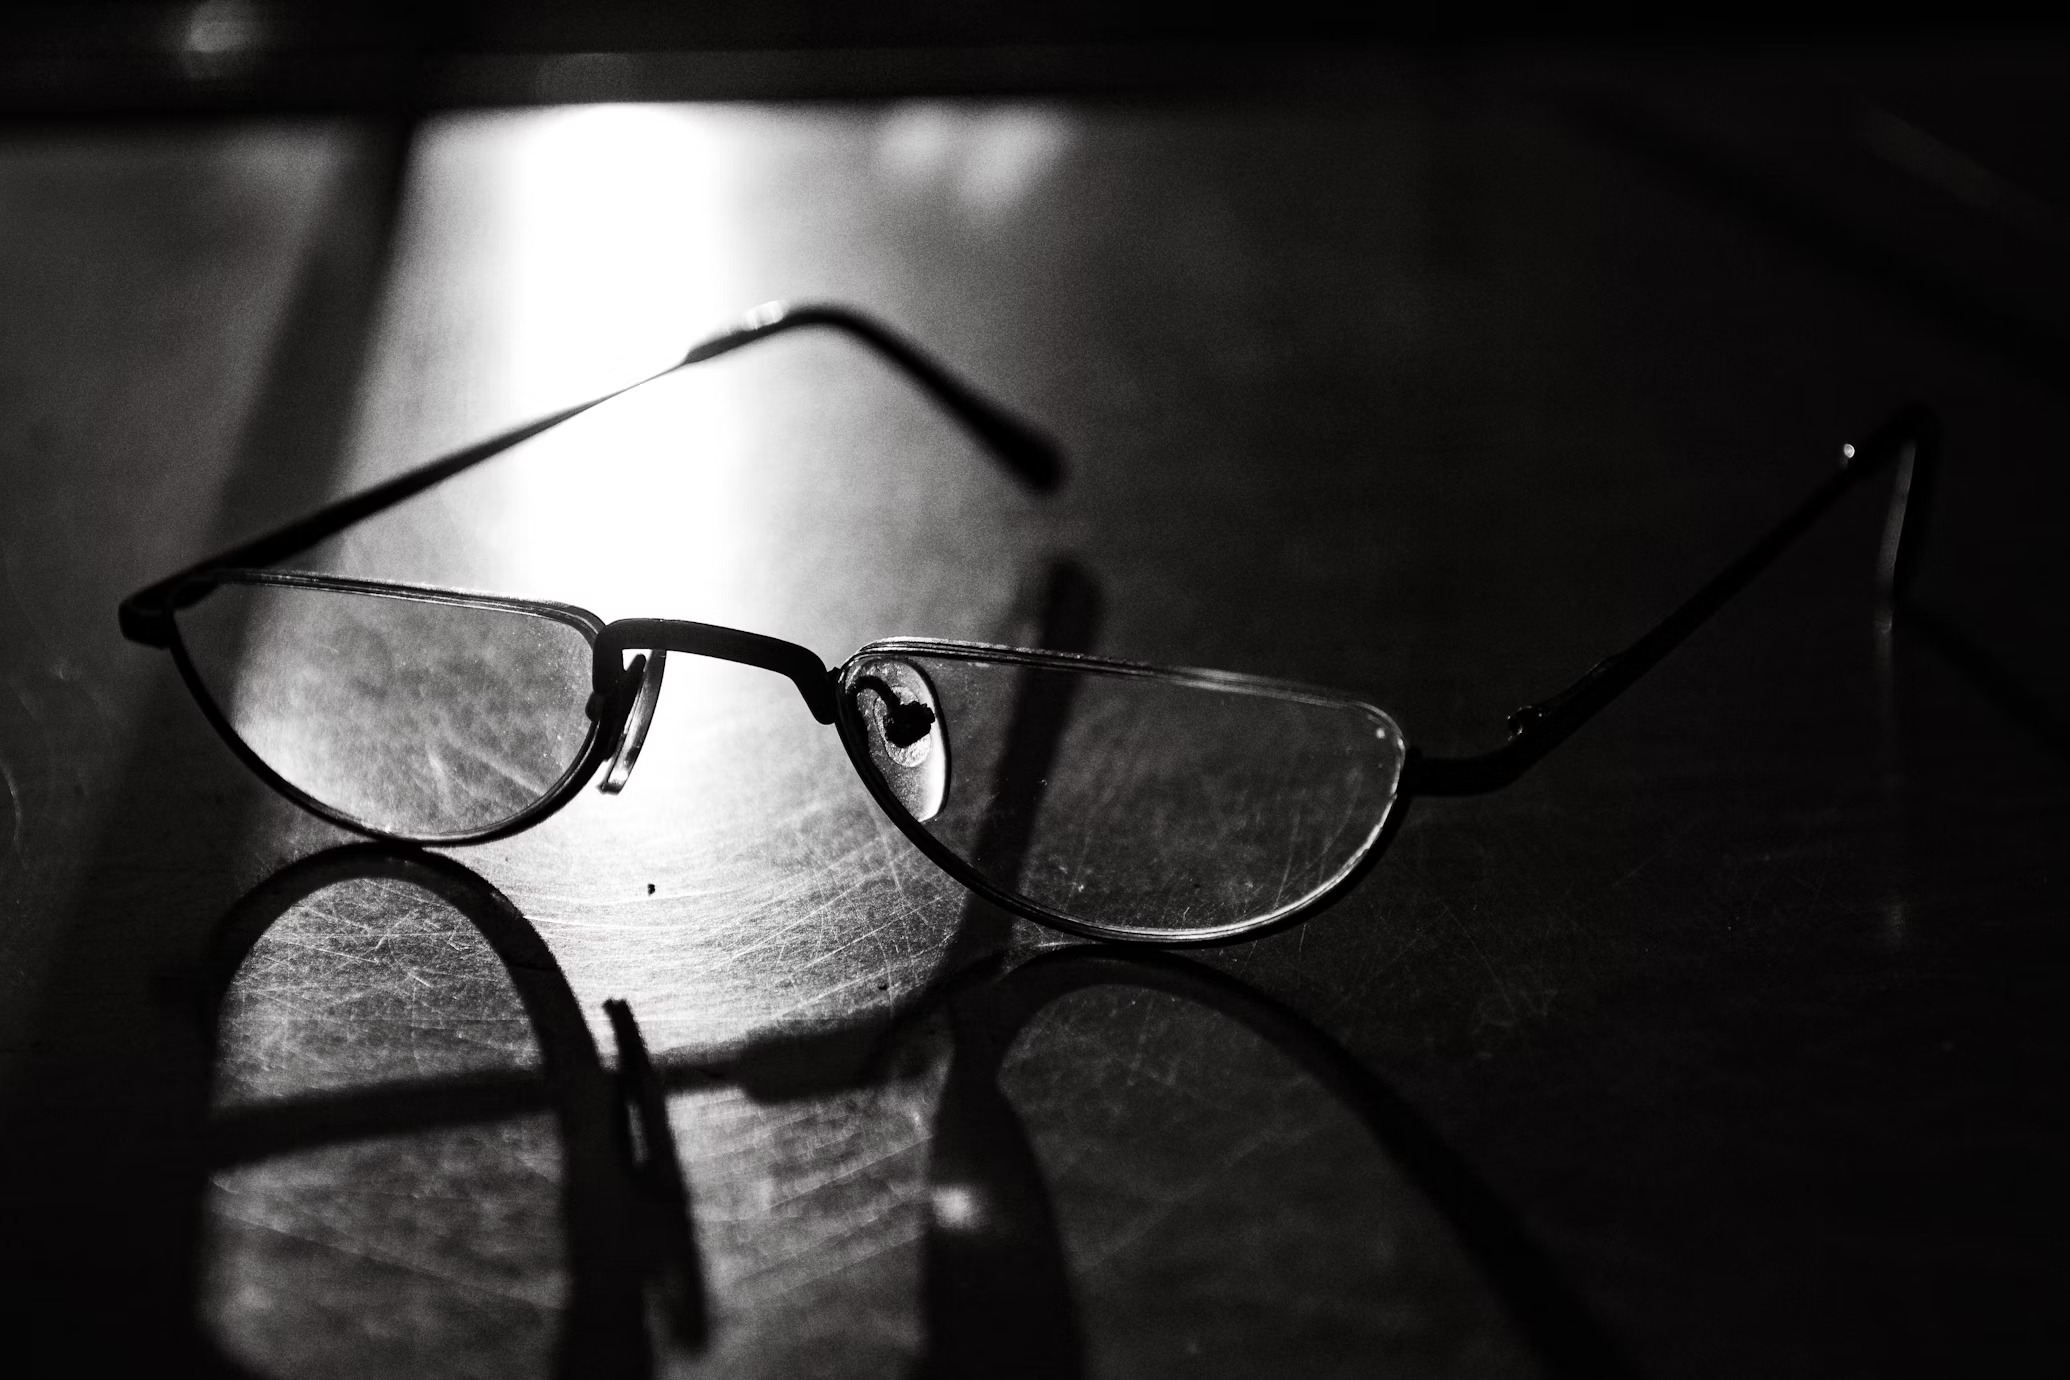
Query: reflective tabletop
(1719, 1044)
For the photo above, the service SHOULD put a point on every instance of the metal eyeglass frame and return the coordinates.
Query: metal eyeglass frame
(624, 694)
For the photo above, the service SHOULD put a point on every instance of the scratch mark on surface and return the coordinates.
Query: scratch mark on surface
(362, 1252)
(14, 811)
(1473, 942)
(826, 1263)
(1185, 1192)
(1666, 847)
(846, 1172)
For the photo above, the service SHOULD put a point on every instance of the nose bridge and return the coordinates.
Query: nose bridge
(798, 664)
(633, 736)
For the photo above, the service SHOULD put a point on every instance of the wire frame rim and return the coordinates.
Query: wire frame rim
(572, 615)
(1205, 678)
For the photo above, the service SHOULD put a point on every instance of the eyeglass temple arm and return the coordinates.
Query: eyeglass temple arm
(1910, 438)
(1025, 451)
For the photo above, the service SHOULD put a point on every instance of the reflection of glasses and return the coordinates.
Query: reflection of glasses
(1108, 799)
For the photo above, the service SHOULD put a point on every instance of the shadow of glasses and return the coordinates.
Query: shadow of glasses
(996, 1293)
(625, 1221)
(997, 1296)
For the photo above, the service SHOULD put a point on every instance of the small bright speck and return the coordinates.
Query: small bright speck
(956, 1206)
(218, 37)
(1847, 452)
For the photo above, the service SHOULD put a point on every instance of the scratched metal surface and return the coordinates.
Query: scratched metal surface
(1738, 1008)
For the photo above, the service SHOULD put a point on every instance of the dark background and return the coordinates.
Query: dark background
(1425, 355)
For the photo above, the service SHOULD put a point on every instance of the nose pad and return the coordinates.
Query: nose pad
(636, 721)
(908, 740)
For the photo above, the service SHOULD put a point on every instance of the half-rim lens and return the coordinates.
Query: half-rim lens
(421, 717)
(1154, 805)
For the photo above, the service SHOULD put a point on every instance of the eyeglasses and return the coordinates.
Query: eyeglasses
(1104, 798)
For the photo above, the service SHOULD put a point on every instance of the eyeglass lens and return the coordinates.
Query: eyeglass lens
(421, 719)
(1137, 803)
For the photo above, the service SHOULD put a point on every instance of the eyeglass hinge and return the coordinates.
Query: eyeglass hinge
(1523, 720)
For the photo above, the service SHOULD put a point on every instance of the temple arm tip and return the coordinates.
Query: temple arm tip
(1033, 457)
(1915, 424)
